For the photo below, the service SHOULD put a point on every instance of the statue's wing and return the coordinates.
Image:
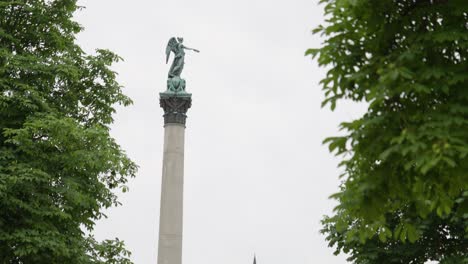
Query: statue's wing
(171, 45)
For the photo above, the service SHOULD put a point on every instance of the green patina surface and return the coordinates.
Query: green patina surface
(175, 84)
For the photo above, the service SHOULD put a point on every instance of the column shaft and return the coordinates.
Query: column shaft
(171, 212)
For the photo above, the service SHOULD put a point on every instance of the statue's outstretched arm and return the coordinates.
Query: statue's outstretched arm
(187, 48)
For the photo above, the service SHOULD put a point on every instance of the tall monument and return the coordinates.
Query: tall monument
(175, 101)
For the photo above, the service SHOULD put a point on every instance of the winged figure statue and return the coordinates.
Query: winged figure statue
(177, 47)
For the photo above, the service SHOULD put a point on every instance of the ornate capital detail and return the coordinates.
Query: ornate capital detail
(175, 107)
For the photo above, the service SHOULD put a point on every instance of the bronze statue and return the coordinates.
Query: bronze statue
(176, 46)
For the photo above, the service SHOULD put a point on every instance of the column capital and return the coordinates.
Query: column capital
(175, 107)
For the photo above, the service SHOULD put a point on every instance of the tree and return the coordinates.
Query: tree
(58, 163)
(404, 196)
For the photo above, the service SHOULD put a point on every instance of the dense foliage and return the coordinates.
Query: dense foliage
(58, 163)
(404, 196)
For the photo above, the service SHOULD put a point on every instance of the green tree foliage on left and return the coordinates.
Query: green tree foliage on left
(58, 164)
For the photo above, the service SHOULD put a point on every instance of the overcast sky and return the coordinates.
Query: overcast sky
(257, 178)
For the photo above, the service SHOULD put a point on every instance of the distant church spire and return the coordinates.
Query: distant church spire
(255, 259)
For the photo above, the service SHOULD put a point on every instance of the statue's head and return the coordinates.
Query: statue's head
(180, 39)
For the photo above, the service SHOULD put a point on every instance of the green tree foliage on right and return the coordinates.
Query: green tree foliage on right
(404, 196)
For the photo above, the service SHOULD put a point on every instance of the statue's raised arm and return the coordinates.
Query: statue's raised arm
(187, 48)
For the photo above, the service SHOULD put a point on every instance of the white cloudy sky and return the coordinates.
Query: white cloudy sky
(257, 178)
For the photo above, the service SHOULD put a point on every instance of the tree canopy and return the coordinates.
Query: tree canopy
(58, 163)
(404, 196)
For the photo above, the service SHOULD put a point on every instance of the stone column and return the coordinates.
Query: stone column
(171, 213)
